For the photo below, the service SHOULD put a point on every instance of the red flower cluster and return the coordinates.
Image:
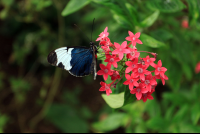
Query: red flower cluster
(141, 82)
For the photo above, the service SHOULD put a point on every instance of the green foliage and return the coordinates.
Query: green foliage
(166, 6)
(3, 120)
(73, 6)
(31, 29)
(113, 121)
(66, 119)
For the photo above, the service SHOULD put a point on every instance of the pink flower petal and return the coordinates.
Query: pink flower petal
(102, 89)
(159, 63)
(115, 51)
(126, 51)
(133, 43)
(128, 38)
(102, 66)
(138, 95)
(131, 86)
(128, 69)
(127, 76)
(130, 33)
(124, 44)
(150, 97)
(121, 55)
(139, 41)
(137, 35)
(105, 30)
(117, 45)
(100, 72)
(115, 64)
(107, 92)
(105, 76)
(142, 77)
(126, 82)
(128, 63)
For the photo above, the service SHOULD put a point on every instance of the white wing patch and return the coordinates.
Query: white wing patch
(64, 56)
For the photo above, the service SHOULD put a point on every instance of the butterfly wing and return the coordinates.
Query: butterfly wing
(77, 60)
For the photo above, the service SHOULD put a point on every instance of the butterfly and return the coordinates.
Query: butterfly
(78, 60)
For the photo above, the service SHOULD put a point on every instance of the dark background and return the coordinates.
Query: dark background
(38, 97)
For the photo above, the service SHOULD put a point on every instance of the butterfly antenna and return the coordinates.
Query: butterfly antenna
(81, 31)
(92, 28)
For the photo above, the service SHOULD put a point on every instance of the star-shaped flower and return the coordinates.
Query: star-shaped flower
(105, 87)
(149, 81)
(105, 71)
(134, 38)
(112, 60)
(138, 91)
(149, 61)
(159, 69)
(131, 65)
(141, 71)
(131, 81)
(133, 54)
(103, 34)
(121, 50)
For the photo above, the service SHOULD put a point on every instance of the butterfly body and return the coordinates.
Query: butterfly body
(79, 61)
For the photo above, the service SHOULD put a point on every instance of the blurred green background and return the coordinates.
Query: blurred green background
(37, 97)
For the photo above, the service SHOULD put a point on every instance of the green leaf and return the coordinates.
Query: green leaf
(129, 98)
(7, 2)
(181, 114)
(151, 42)
(112, 122)
(157, 123)
(177, 98)
(153, 108)
(114, 100)
(195, 113)
(188, 128)
(74, 5)
(166, 6)
(193, 11)
(161, 34)
(101, 54)
(169, 112)
(132, 12)
(122, 20)
(151, 19)
(188, 71)
(66, 119)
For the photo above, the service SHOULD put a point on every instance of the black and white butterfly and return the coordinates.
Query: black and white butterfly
(79, 61)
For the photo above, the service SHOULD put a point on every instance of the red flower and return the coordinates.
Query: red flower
(106, 49)
(103, 34)
(139, 91)
(121, 49)
(146, 96)
(134, 38)
(115, 75)
(131, 65)
(133, 54)
(112, 60)
(131, 81)
(105, 71)
(141, 71)
(149, 81)
(105, 87)
(197, 69)
(159, 69)
(149, 61)
(185, 24)
(106, 42)
(162, 78)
